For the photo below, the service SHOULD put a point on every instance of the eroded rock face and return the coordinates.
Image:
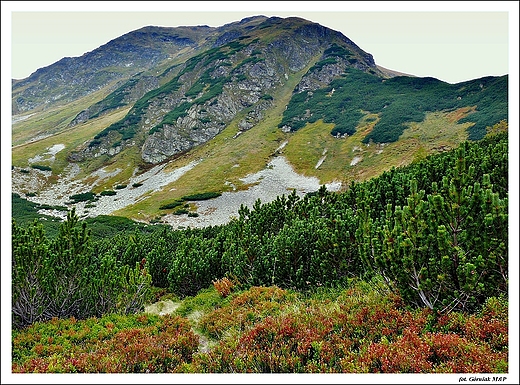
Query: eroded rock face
(186, 133)
(239, 75)
(129, 92)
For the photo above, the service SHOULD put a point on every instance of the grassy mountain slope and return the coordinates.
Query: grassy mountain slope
(225, 101)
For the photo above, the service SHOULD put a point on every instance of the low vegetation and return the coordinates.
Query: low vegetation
(403, 273)
(398, 101)
(193, 197)
(41, 167)
(359, 329)
(141, 343)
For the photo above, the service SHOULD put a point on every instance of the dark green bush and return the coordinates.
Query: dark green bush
(41, 167)
(171, 205)
(83, 197)
(201, 196)
(61, 278)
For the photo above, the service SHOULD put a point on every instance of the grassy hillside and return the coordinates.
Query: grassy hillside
(397, 101)
(225, 159)
(46, 122)
(70, 138)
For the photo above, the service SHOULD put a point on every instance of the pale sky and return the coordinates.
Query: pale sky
(445, 40)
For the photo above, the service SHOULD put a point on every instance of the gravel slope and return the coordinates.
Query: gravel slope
(278, 178)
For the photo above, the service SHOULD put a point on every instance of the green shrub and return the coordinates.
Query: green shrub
(201, 196)
(171, 205)
(204, 301)
(62, 278)
(41, 167)
(83, 197)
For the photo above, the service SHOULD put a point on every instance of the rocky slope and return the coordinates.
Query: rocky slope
(248, 64)
(146, 101)
(74, 77)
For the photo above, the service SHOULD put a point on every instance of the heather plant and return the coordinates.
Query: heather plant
(224, 286)
(205, 301)
(244, 309)
(112, 344)
(364, 329)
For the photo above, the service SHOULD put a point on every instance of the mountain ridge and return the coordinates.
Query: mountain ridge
(230, 100)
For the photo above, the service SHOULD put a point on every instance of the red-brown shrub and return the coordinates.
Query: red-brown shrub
(224, 286)
(153, 344)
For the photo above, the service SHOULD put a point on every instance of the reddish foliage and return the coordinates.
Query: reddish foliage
(245, 309)
(270, 332)
(224, 286)
(154, 347)
(408, 354)
(454, 354)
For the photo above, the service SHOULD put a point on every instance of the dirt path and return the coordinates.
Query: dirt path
(168, 307)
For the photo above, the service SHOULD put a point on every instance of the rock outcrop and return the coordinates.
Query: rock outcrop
(249, 62)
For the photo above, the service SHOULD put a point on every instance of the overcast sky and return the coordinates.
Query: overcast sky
(445, 40)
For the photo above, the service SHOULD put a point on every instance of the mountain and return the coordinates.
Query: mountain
(161, 114)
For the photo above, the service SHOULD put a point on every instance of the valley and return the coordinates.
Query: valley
(208, 109)
(291, 166)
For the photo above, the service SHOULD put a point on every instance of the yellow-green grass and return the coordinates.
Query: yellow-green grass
(224, 159)
(438, 132)
(55, 119)
(70, 138)
(126, 161)
(220, 157)
(309, 145)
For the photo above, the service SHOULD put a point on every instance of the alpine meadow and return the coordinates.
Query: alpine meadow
(259, 197)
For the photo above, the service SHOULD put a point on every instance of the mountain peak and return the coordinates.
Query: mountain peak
(227, 100)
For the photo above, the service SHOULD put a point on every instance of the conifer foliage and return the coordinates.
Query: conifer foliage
(436, 231)
(61, 277)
